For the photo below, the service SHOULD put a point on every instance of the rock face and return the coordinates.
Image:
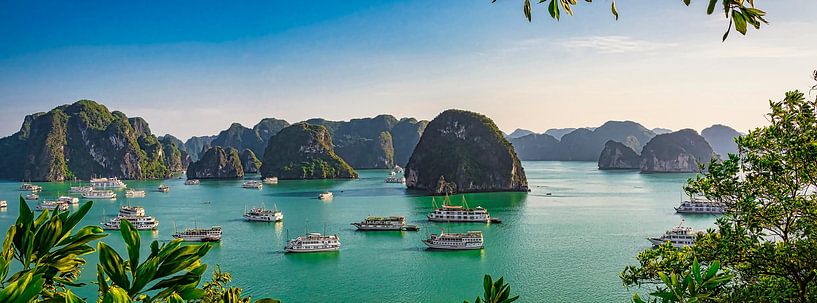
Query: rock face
(250, 162)
(618, 156)
(517, 133)
(304, 151)
(583, 144)
(722, 139)
(462, 151)
(558, 133)
(175, 158)
(217, 163)
(82, 140)
(405, 136)
(661, 131)
(680, 151)
(240, 138)
(196, 146)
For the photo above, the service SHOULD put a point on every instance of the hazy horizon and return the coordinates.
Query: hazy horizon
(192, 70)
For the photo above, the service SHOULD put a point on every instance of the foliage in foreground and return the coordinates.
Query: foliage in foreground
(51, 259)
(768, 236)
(495, 292)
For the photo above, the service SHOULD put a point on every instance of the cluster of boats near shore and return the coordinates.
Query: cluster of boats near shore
(682, 236)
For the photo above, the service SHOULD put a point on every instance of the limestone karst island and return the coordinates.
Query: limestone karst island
(408, 151)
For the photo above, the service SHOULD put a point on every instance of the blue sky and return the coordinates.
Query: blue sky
(193, 67)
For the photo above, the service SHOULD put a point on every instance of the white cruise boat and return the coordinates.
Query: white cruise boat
(99, 194)
(679, 236)
(30, 187)
(464, 241)
(3, 204)
(135, 215)
(313, 242)
(32, 196)
(252, 184)
(699, 205)
(163, 188)
(192, 182)
(271, 180)
(68, 200)
(107, 183)
(264, 215)
(327, 195)
(132, 193)
(396, 175)
(391, 223)
(212, 234)
(80, 189)
(458, 213)
(52, 205)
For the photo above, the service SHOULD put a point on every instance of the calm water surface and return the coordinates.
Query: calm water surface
(568, 246)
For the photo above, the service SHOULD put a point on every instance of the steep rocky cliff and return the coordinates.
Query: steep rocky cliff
(722, 139)
(250, 162)
(618, 156)
(680, 151)
(196, 146)
(217, 163)
(360, 141)
(405, 136)
(175, 158)
(462, 151)
(536, 147)
(304, 151)
(82, 140)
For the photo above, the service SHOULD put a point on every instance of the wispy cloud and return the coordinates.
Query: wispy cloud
(614, 44)
(757, 52)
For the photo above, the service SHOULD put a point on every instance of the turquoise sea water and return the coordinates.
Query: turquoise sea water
(566, 247)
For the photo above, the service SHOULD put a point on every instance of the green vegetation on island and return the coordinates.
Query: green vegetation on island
(304, 151)
(217, 163)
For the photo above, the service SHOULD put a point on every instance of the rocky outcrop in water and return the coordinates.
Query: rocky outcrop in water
(250, 162)
(82, 140)
(217, 163)
(175, 158)
(618, 156)
(304, 151)
(463, 151)
(197, 146)
(583, 144)
(681, 151)
(722, 139)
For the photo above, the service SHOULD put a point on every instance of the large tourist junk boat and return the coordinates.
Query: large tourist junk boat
(30, 187)
(458, 213)
(135, 215)
(253, 184)
(52, 205)
(132, 193)
(391, 223)
(456, 241)
(701, 205)
(313, 242)
(107, 183)
(264, 215)
(80, 189)
(32, 196)
(68, 200)
(192, 182)
(3, 204)
(212, 234)
(99, 194)
(271, 180)
(396, 175)
(679, 236)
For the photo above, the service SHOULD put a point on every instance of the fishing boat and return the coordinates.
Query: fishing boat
(132, 193)
(68, 200)
(133, 214)
(679, 236)
(163, 188)
(192, 182)
(252, 184)
(264, 215)
(212, 234)
(107, 183)
(462, 241)
(391, 223)
(99, 194)
(396, 175)
(271, 180)
(52, 206)
(32, 196)
(30, 187)
(700, 205)
(313, 242)
(327, 195)
(458, 213)
(80, 189)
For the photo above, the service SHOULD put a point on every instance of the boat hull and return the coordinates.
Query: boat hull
(318, 250)
(433, 219)
(449, 247)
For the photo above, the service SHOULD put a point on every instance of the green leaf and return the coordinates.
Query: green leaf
(740, 22)
(116, 295)
(711, 8)
(526, 10)
(132, 243)
(615, 11)
(553, 9)
(113, 265)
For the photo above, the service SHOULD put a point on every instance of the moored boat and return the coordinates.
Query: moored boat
(327, 195)
(264, 215)
(456, 241)
(391, 223)
(30, 187)
(252, 184)
(212, 234)
(80, 189)
(458, 213)
(132, 193)
(700, 205)
(133, 214)
(679, 236)
(107, 183)
(52, 205)
(163, 188)
(3, 204)
(396, 175)
(99, 194)
(271, 180)
(192, 182)
(313, 242)
(32, 196)
(68, 200)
